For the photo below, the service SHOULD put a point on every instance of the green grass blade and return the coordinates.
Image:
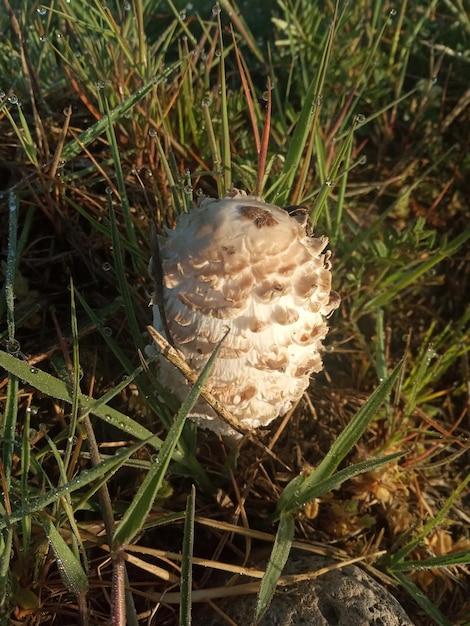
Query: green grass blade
(136, 513)
(8, 427)
(214, 147)
(9, 418)
(430, 526)
(312, 488)
(6, 553)
(121, 276)
(76, 375)
(420, 598)
(12, 251)
(23, 134)
(367, 235)
(75, 147)
(70, 569)
(55, 388)
(325, 190)
(338, 213)
(447, 560)
(351, 434)
(343, 444)
(396, 284)
(277, 560)
(226, 154)
(25, 469)
(184, 453)
(103, 471)
(124, 200)
(306, 122)
(186, 561)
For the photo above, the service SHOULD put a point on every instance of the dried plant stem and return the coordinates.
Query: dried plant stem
(175, 357)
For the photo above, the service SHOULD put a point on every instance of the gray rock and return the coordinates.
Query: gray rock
(342, 597)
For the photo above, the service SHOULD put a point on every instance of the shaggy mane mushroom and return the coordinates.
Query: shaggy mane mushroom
(241, 264)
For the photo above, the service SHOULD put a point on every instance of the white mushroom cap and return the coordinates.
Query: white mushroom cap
(240, 264)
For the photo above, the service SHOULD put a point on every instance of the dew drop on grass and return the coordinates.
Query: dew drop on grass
(218, 53)
(13, 98)
(108, 191)
(13, 346)
(329, 182)
(2, 94)
(67, 111)
(34, 370)
(363, 160)
(41, 10)
(43, 39)
(183, 15)
(216, 9)
(393, 12)
(127, 6)
(106, 266)
(360, 118)
(108, 331)
(32, 434)
(153, 132)
(206, 102)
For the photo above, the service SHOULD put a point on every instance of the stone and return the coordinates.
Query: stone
(342, 597)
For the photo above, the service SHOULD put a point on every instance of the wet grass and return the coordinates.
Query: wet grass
(113, 118)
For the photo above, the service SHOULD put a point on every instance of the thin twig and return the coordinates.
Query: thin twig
(175, 357)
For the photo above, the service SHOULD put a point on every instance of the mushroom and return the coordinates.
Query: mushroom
(240, 265)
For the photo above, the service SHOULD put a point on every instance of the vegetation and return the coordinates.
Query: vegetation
(114, 116)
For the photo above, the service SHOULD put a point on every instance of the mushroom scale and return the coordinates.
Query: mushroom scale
(252, 268)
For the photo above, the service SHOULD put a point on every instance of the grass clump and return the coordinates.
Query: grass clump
(114, 116)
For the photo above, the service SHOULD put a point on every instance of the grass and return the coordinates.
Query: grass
(113, 118)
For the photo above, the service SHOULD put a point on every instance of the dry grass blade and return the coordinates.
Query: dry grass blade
(175, 357)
